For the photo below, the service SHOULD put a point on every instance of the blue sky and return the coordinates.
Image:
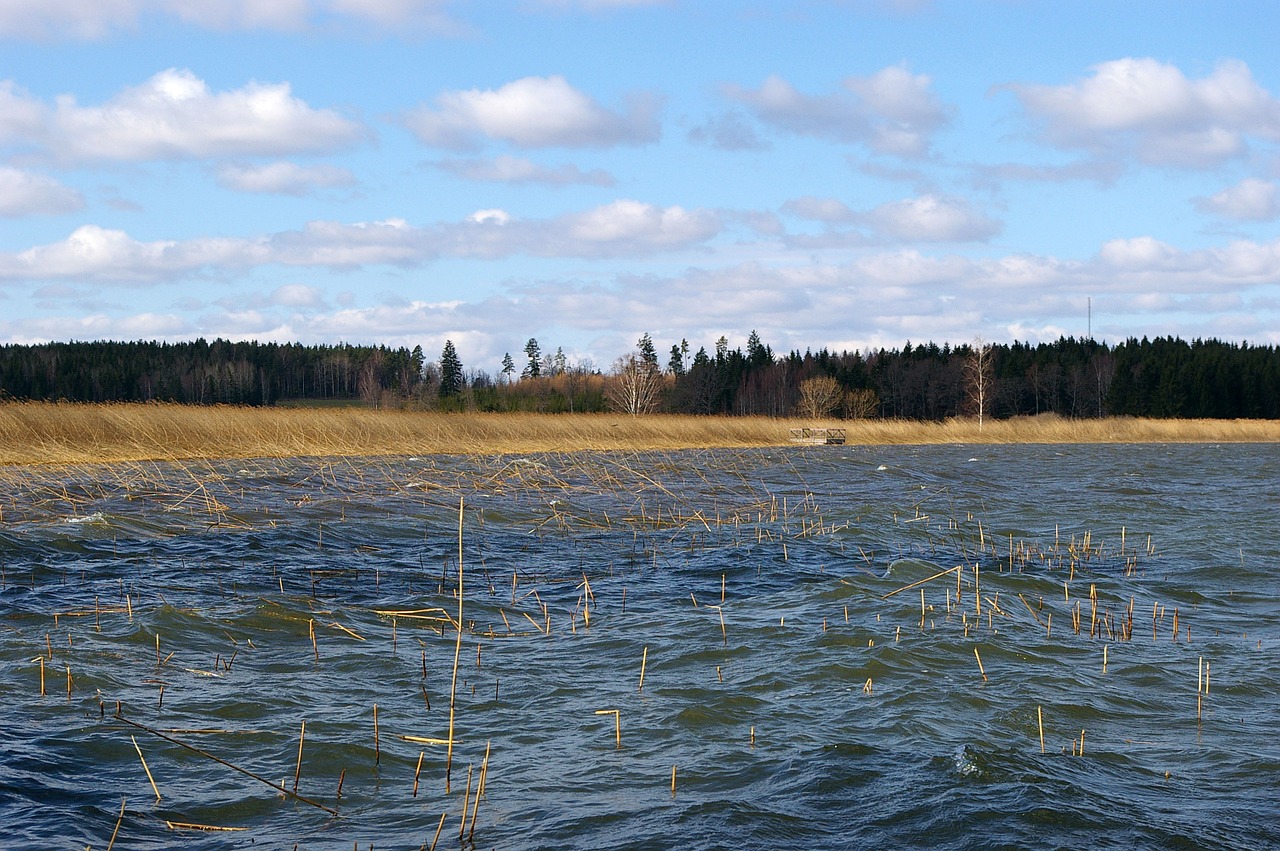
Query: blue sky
(841, 173)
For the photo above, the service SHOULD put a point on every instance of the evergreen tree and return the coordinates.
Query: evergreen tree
(534, 368)
(508, 366)
(451, 379)
(675, 365)
(648, 354)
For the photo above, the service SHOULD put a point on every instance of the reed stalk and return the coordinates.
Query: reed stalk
(279, 787)
(981, 670)
(112, 842)
(1040, 724)
(475, 804)
(417, 771)
(151, 779)
(466, 798)
(297, 771)
(457, 654)
(644, 658)
(617, 723)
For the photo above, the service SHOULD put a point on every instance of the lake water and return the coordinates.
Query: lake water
(798, 700)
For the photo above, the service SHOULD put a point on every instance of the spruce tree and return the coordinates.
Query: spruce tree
(451, 380)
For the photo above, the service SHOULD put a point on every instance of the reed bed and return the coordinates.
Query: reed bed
(67, 433)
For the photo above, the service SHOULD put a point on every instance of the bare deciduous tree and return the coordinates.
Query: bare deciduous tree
(634, 385)
(818, 396)
(859, 404)
(979, 379)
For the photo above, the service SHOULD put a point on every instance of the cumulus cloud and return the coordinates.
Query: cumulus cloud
(282, 177)
(1249, 200)
(508, 169)
(931, 218)
(622, 228)
(892, 111)
(23, 193)
(174, 115)
(926, 218)
(532, 112)
(296, 295)
(93, 253)
(1153, 111)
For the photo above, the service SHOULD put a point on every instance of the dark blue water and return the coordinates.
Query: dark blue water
(800, 701)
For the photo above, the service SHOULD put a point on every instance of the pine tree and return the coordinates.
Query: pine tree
(508, 366)
(451, 380)
(534, 367)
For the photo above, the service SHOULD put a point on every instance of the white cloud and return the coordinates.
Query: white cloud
(620, 229)
(496, 216)
(926, 218)
(97, 19)
(94, 253)
(532, 112)
(508, 169)
(892, 111)
(1249, 200)
(23, 193)
(819, 209)
(930, 218)
(1151, 110)
(296, 295)
(282, 177)
(76, 19)
(174, 115)
(22, 117)
(642, 226)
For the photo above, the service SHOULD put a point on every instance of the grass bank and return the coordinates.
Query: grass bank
(61, 433)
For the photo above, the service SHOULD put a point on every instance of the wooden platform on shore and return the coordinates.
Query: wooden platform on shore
(818, 436)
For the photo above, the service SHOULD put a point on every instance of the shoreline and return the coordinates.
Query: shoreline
(50, 433)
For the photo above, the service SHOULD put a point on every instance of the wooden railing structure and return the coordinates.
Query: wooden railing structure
(818, 436)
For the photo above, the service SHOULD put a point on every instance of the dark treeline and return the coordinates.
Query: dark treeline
(1164, 377)
(201, 372)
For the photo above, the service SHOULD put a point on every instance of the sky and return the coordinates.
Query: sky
(847, 174)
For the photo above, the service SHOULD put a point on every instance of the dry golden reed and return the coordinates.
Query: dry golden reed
(73, 433)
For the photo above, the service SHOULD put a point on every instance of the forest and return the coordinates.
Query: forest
(1075, 378)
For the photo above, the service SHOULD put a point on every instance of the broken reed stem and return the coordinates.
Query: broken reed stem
(276, 786)
(673, 781)
(644, 658)
(1040, 724)
(297, 771)
(144, 767)
(377, 747)
(922, 581)
(980, 668)
(439, 828)
(617, 722)
(112, 843)
(457, 653)
(475, 803)
(417, 771)
(466, 799)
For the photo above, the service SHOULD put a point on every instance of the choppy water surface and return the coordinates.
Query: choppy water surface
(798, 701)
